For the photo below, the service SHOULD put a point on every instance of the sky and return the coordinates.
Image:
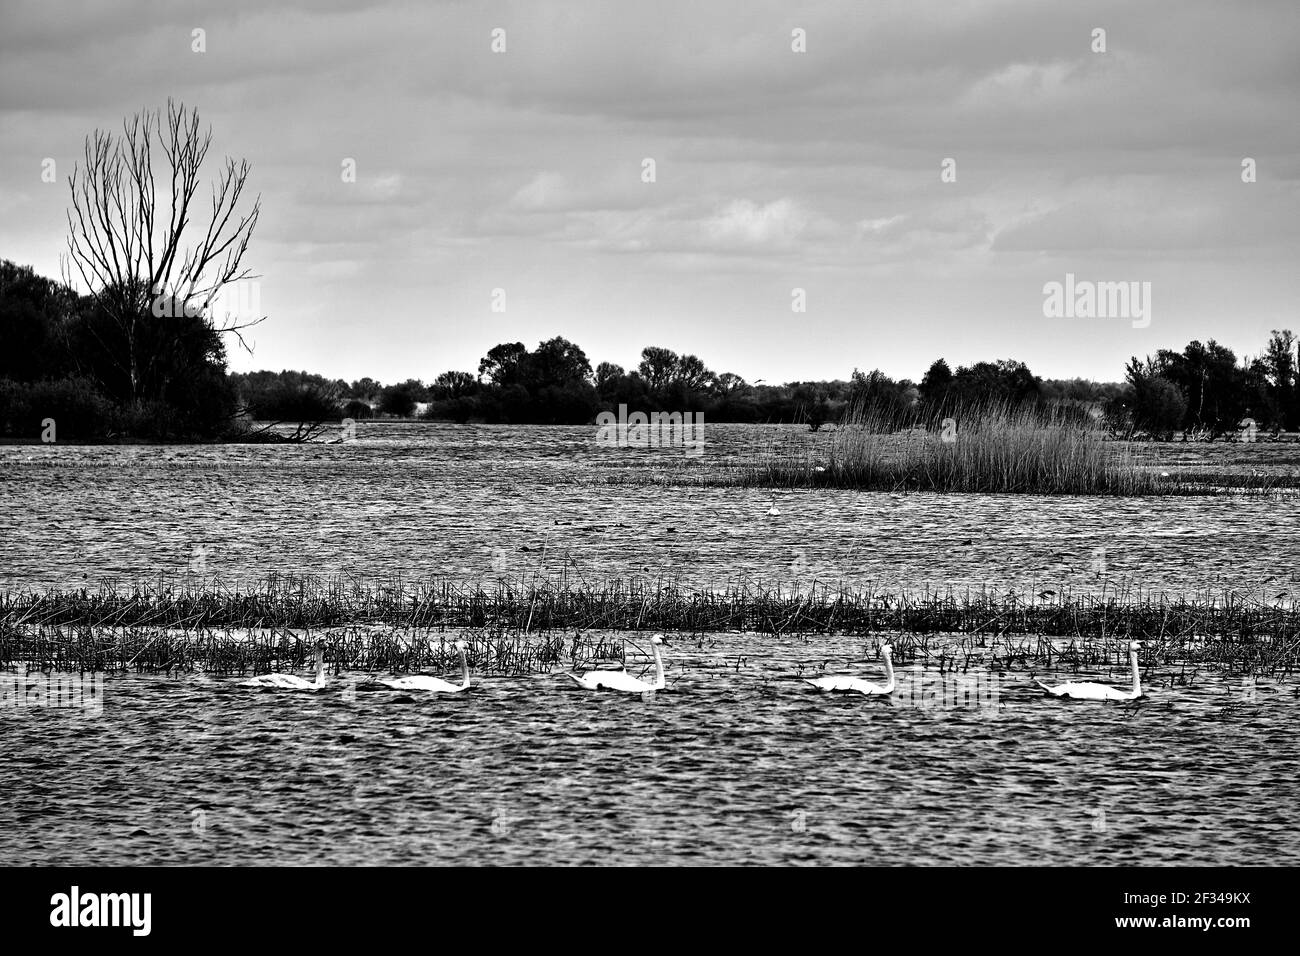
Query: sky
(774, 170)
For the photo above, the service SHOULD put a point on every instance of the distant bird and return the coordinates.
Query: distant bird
(842, 684)
(1089, 690)
(1046, 594)
(292, 681)
(772, 510)
(433, 685)
(620, 679)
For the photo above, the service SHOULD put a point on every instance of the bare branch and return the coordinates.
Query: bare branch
(127, 253)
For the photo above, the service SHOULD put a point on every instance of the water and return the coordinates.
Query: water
(472, 503)
(742, 767)
(737, 763)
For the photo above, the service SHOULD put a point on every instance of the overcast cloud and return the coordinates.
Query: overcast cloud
(775, 170)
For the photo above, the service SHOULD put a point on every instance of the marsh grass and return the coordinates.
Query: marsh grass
(538, 625)
(1003, 449)
(359, 650)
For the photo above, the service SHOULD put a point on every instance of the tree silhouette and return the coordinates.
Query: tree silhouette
(126, 243)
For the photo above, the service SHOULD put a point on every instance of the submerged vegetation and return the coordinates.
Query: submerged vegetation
(535, 626)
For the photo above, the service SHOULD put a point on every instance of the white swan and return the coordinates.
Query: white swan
(1089, 690)
(292, 681)
(843, 684)
(434, 685)
(621, 679)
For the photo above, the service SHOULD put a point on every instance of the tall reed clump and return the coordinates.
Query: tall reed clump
(1025, 449)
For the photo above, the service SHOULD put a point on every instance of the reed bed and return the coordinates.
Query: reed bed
(1015, 652)
(537, 625)
(994, 449)
(243, 652)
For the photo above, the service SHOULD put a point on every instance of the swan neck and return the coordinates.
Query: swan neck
(464, 669)
(659, 668)
(889, 674)
(1137, 676)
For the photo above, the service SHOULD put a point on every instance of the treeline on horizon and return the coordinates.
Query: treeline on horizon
(556, 384)
(1201, 388)
(107, 376)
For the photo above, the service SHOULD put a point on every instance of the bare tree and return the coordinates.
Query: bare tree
(128, 248)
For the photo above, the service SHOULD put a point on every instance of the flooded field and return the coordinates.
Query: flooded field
(736, 761)
(742, 767)
(476, 501)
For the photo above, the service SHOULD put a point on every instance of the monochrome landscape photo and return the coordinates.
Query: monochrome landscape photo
(725, 433)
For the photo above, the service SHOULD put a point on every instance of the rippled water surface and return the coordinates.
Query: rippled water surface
(738, 762)
(475, 501)
(747, 767)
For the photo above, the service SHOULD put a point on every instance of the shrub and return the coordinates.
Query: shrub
(397, 400)
(284, 402)
(78, 409)
(1158, 406)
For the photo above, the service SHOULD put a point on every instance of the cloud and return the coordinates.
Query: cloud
(478, 170)
(745, 222)
(880, 226)
(1020, 86)
(545, 191)
(381, 187)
